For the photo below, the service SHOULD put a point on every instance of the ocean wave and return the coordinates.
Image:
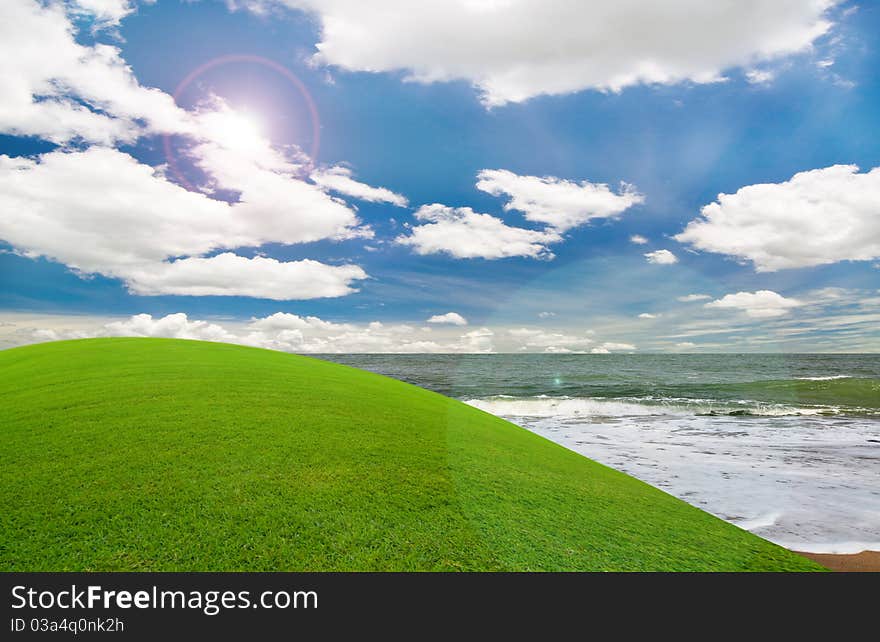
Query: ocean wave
(825, 378)
(853, 394)
(573, 407)
(805, 396)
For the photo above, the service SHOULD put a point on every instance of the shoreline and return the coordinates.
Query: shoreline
(863, 562)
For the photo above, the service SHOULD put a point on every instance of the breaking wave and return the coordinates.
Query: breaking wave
(573, 407)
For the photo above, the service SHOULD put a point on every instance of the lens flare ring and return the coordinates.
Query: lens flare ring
(254, 59)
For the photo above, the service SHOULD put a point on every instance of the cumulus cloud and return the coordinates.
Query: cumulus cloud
(648, 315)
(546, 315)
(464, 234)
(100, 211)
(59, 90)
(690, 298)
(638, 239)
(172, 326)
(759, 76)
(513, 50)
(661, 257)
(763, 304)
(612, 346)
(532, 339)
(105, 12)
(286, 321)
(818, 217)
(274, 202)
(556, 202)
(476, 341)
(289, 332)
(338, 179)
(228, 274)
(609, 347)
(281, 331)
(292, 333)
(450, 318)
(62, 206)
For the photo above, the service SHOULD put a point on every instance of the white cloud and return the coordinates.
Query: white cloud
(818, 217)
(106, 12)
(648, 315)
(286, 321)
(685, 345)
(280, 331)
(172, 326)
(308, 334)
(513, 50)
(100, 211)
(661, 257)
(763, 304)
(338, 179)
(292, 333)
(555, 350)
(609, 347)
(59, 90)
(558, 342)
(546, 315)
(690, 298)
(558, 203)
(230, 275)
(450, 318)
(638, 239)
(463, 233)
(476, 341)
(759, 76)
(274, 203)
(612, 347)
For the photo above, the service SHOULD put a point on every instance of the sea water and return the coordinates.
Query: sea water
(786, 446)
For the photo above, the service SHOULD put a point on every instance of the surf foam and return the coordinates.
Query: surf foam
(806, 482)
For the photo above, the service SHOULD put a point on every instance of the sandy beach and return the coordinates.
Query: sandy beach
(864, 562)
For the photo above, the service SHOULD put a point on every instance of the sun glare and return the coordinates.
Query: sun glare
(238, 131)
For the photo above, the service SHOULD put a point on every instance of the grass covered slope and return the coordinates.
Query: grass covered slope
(155, 454)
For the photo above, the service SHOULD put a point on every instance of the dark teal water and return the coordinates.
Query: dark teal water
(848, 384)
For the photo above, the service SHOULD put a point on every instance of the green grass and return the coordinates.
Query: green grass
(168, 455)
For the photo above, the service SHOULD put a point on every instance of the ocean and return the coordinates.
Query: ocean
(786, 446)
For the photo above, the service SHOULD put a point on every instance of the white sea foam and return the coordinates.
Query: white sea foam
(761, 521)
(806, 482)
(573, 407)
(838, 548)
(543, 406)
(828, 378)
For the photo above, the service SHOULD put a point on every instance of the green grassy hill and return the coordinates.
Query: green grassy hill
(155, 454)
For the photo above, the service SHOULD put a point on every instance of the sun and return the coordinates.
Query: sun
(236, 130)
(241, 130)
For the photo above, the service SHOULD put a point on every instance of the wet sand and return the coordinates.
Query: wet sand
(864, 562)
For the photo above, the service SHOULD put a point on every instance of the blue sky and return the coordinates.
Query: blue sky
(678, 141)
